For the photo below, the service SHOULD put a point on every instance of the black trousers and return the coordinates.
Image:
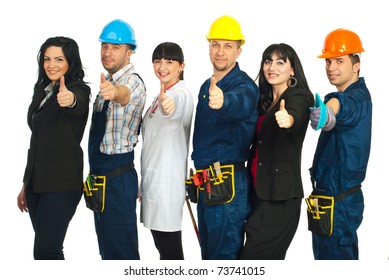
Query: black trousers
(169, 244)
(50, 215)
(270, 229)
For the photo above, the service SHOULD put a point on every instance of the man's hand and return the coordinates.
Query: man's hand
(316, 115)
(216, 96)
(65, 98)
(107, 90)
(167, 103)
(322, 116)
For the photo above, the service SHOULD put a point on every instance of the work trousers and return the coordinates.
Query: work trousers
(270, 229)
(50, 215)
(221, 226)
(116, 226)
(169, 244)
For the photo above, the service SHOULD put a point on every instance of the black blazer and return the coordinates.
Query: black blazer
(55, 156)
(279, 149)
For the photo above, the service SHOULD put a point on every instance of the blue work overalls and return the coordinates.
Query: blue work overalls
(225, 135)
(116, 226)
(340, 163)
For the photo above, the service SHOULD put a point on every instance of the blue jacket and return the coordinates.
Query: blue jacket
(342, 154)
(226, 134)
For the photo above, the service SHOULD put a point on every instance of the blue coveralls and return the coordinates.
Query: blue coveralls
(340, 163)
(116, 226)
(225, 135)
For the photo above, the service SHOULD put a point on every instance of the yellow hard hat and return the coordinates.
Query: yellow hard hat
(226, 28)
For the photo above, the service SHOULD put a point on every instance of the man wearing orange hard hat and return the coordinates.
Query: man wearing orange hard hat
(335, 207)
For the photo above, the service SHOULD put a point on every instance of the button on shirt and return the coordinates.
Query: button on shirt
(121, 131)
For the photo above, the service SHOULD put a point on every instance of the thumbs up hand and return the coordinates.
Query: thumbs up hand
(65, 98)
(107, 90)
(216, 96)
(167, 103)
(283, 119)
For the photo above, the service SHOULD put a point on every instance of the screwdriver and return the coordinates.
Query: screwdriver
(219, 174)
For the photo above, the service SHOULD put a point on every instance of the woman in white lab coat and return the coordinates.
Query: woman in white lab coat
(166, 132)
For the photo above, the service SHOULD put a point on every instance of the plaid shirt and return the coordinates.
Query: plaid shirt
(121, 129)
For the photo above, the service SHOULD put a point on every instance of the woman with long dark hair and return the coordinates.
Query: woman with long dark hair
(57, 116)
(285, 99)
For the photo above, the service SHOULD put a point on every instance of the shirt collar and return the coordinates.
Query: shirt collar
(128, 68)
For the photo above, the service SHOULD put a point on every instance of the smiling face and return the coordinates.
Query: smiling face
(167, 71)
(277, 72)
(55, 63)
(341, 72)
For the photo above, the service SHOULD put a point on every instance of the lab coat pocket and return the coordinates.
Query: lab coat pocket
(153, 184)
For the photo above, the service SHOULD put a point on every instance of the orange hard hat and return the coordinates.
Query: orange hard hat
(341, 42)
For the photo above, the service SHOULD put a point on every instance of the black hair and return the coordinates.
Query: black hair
(285, 52)
(169, 51)
(355, 59)
(72, 55)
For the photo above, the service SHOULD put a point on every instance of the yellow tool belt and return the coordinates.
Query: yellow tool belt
(217, 184)
(320, 211)
(320, 214)
(94, 192)
(95, 187)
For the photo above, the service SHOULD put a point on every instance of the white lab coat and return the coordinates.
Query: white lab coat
(164, 161)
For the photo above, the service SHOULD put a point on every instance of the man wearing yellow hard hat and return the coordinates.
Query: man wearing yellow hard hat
(342, 153)
(224, 128)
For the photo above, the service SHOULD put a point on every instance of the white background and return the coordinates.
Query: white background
(302, 24)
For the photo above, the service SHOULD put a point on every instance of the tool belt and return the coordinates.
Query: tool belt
(217, 182)
(320, 211)
(95, 186)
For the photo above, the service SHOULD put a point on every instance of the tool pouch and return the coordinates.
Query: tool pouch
(320, 214)
(222, 189)
(94, 192)
(192, 190)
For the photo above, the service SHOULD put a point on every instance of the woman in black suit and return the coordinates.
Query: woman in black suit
(285, 99)
(57, 116)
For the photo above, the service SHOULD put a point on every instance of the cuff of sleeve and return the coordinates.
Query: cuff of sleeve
(74, 103)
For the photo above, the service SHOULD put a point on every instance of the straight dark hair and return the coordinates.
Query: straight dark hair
(285, 52)
(169, 51)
